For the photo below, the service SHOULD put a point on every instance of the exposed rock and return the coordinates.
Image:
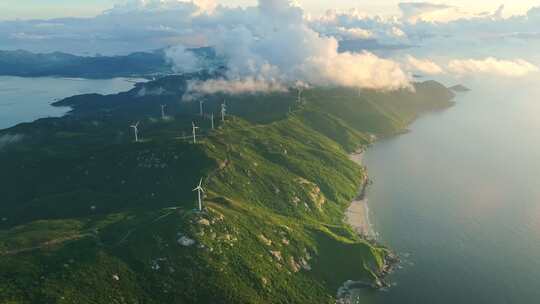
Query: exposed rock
(295, 267)
(185, 241)
(204, 222)
(265, 241)
(285, 242)
(315, 193)
(305, 265)
(317, 197)
(276, 255)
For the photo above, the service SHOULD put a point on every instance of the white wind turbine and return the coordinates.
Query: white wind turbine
(300, 90)
(136, 131)
(223, 111)
(201, 102)
(194, 132)
(163, 111)
(212, 119)
(200, 192)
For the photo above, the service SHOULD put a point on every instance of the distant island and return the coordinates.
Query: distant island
(140, 64)
(114, 218)
(459, 88)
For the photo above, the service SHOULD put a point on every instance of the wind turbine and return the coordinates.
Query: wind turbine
(194, 132)
(136, 131)
(300, 90)
(201, 107)
(223, 111)
(200, 192)
(212, 118)
(163, 111)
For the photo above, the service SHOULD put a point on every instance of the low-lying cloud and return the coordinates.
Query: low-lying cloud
(274, 44)
(492, 66)
(182, 60)
(247, 85)
(414, 12)
(424, 66)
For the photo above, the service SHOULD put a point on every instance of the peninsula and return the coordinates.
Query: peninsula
(116, 221)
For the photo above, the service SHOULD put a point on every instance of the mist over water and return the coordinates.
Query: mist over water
(460, 194)
(27, 99)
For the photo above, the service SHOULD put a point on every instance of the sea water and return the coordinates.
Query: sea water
(458, 197)
(27, 99)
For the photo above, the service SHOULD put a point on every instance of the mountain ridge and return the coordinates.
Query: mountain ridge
(277, 184)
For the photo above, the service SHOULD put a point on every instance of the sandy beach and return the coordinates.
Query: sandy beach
(357, 214)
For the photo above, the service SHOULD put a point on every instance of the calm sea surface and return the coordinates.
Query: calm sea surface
(27, 99)
(459, 198)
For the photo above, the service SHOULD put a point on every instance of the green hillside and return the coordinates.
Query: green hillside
(89, 216)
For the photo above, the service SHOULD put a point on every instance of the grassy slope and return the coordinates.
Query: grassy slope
(277, 184)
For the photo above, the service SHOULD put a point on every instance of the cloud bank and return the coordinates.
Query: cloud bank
(424, 66)
(247, 85)
(271, 46)
(414, 12)
(493, 66)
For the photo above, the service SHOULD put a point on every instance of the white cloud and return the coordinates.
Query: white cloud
(342, 24)
(133, 26)
(414, 12)
(182, 60)
(354, 33)
(493, 66)
(425, 66)
(273, 43)
(195, 7)
(248, 85)
(397, 32)
(364, 70)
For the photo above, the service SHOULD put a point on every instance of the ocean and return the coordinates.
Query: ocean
(458, 197)
(27, 99)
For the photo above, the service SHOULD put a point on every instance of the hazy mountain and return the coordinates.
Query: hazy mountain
(141, 64)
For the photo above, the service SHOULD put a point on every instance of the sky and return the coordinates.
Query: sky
(45, 9)
(270, 44)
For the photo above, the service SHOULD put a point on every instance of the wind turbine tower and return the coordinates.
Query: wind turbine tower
(163, 111)
(200, 192)
(194, 132)
(223, 111)
(201, 107)
(212, 118)
(300, 90)
(136, 131)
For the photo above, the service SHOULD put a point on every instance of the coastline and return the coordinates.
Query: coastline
(357, 215)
